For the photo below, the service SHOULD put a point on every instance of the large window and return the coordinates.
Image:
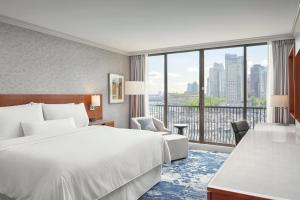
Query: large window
(183, 91)
(209, 88)
(257, 68)
(155, 86)
(224, 72)
(224, 92)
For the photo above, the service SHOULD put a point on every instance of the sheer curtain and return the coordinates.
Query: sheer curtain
(146, 86)
(278, 78)
(270, 88)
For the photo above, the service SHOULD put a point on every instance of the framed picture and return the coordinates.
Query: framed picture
(116, 88)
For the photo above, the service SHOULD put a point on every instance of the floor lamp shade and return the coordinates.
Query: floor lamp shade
(134, 88)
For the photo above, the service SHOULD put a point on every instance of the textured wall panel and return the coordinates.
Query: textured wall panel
(36, 63)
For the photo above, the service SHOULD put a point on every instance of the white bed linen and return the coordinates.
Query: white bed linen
(87, 163)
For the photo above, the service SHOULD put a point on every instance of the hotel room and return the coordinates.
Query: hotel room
(162, 100)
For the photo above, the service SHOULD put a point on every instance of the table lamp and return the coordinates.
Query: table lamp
(280, 101)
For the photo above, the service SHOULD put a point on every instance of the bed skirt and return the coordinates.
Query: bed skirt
(137, 187)
(132, 190)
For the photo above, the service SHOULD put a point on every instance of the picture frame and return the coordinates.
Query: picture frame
(116, 85)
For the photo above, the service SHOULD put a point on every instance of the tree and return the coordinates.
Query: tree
(257, 101)
(208, 101)
(213, 101)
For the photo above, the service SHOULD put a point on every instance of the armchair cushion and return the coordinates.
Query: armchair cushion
(147, 124)
(163, 133)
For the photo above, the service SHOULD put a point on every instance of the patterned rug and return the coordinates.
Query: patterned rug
(188, 178)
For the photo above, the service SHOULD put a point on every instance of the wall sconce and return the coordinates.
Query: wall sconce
(95, 102)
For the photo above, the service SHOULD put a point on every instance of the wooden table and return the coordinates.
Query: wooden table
(102, 123)
(180, 128)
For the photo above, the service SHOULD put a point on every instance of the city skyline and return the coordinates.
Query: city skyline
(183, 68)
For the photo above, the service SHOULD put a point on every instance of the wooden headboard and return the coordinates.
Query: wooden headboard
(17, 99)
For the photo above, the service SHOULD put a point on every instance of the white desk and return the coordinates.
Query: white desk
(265, 164)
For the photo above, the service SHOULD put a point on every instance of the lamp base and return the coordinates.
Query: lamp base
(92, 107)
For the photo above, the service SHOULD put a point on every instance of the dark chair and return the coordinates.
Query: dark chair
(240, 129)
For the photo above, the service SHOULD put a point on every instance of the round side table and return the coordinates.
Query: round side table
(180, 128)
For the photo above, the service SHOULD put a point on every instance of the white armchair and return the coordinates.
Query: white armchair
(159, 125)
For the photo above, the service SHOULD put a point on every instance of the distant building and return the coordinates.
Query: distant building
(216, 81)
(258, 81)
(192, 88)
(234, 79)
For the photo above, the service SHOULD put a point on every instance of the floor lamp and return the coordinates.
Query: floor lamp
(134, 88)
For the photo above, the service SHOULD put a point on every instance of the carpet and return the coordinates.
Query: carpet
(187, 178)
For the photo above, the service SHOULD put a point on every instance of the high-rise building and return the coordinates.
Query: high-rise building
(216, 81)
(258, 81)
(192, 88)
(234, 79)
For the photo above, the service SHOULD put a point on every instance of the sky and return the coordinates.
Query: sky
(183, 68)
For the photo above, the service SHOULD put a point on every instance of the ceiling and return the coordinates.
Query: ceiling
(137, 25)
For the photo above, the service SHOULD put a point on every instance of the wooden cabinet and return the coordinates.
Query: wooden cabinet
(216, 194)
(291, 82)
(294, 83)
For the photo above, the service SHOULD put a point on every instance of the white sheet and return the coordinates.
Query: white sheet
(84, 164)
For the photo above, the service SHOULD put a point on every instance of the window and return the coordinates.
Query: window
(209, 88)
(224, 72)
(224, 92)
(257, 61)
(183, 91)
(155, 86)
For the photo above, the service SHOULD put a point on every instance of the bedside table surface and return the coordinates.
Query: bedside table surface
(101, 121)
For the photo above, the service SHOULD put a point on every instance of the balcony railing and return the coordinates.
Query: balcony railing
(217, 127)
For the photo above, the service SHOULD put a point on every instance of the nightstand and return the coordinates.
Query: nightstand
(102, 123)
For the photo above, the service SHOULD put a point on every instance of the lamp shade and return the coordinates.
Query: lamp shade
(96, 100)
(134, 87)
(281, 101)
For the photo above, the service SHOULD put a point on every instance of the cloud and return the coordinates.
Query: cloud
(174, 75)
(193, 69)
(264, 62)
(178, 87)
(250, 63)
(155, 75)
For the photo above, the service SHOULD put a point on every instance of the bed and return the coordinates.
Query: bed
(92, 162)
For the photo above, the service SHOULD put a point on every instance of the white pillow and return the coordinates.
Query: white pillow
(12, 116)
(46, 127)
(63, 111)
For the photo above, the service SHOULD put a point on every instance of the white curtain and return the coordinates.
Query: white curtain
(279, 76)
(137, 73)
(146, 86)
(270, 88)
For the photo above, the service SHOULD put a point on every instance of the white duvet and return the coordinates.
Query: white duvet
(86, 163)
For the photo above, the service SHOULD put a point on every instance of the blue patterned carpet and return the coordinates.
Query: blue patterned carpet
(188, 178)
